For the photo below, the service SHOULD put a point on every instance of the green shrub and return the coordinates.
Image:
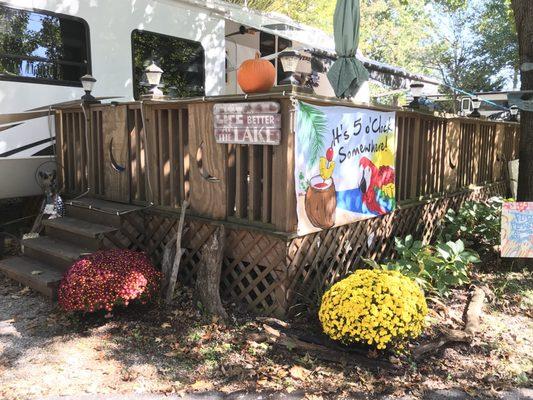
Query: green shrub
(435, 267)
(476, 223)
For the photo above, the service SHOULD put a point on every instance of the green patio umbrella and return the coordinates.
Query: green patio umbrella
(347, 73)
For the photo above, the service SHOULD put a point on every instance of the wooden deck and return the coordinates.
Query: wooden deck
(149, 157)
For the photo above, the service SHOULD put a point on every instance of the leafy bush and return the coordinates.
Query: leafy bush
(436, 267)
(376, 307)
(475, 223)
(107, 279)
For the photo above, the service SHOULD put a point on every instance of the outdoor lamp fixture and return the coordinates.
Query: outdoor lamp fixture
(289, 60)
(476, 103)
(153, 76)
(513, 110)
(416, 92)
(294, 62)
(87, 82)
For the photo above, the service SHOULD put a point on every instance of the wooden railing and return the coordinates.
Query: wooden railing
(165, 153)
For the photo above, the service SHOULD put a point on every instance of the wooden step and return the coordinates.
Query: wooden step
(80, 232)
(98, 211)
(92, 215)
(52, 251)
(32, 273)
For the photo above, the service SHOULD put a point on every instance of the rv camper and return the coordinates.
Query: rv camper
(47, 45)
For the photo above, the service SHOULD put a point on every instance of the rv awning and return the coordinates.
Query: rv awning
(310, 38)
(278, 25)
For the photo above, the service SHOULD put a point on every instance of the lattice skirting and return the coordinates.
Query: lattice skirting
(274, 276)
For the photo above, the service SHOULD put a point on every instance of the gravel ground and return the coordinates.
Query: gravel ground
(150, 353)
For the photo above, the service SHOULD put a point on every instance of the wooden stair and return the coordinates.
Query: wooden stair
(45, 259)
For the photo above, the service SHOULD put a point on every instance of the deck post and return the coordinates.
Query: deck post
(283, 191)
(208, 193)
(451, 154)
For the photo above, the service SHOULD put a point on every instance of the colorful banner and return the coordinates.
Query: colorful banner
(344, 165)
(517, 230)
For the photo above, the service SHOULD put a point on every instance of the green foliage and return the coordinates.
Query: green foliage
(497, 43)
(314, 13)
(312, 123)
(435, 267)
(396, 32)
(476, 223)
(470, 45)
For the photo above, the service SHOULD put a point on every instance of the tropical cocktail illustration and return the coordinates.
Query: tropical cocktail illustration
(320, 197)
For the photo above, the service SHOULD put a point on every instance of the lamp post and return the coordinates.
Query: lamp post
(416, 92)
(87, 82)
(513, 110)
(153, 76)
(476, 103)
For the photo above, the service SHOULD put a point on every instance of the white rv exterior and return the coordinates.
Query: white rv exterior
(109, 23)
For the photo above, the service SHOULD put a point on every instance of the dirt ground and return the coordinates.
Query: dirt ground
(44, 352)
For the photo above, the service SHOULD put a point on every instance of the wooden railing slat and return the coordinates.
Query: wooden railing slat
(241, 187)
(173, 137)
(254, 185)
(267, 184)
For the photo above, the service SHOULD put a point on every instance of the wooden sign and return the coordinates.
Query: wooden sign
(252, 107)
(247, 123)
(517, 230)
(252, 120)
(248, 135)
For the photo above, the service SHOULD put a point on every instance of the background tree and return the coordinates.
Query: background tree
(397, 32)
(469, 45)
(523, 14)
(456, 55)
(496, 42)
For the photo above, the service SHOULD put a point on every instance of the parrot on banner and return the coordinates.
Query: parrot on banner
(372, 181)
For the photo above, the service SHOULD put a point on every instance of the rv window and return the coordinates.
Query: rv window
(267, 46)
(43, 47)
(181, 60)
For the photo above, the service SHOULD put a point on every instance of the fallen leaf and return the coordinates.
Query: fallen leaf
(202, 385)
(171, 354)
(165, 325)
(262, 382)
(298, 372)
(25, 290)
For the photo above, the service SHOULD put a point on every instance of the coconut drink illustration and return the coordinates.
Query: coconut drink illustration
(320, 197)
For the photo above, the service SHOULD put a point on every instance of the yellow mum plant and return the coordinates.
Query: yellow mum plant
(376, 307)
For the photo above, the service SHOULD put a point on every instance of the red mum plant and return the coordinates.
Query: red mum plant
(106, 279)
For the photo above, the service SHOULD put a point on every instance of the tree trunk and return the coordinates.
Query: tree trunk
(523, 13)
(208, 280)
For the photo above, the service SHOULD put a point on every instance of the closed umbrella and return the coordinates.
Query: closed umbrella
(347, 73)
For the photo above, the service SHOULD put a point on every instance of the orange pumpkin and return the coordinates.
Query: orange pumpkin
(256, 75)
